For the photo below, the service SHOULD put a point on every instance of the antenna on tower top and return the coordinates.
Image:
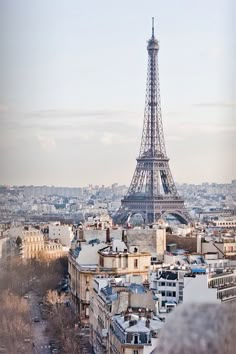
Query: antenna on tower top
(153, 27)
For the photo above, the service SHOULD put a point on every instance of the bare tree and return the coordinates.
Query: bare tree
(17, 277)
(15, 325)
(62, 325)
(53, 298)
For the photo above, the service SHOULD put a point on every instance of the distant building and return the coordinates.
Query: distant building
(100, 222)
(63, 233)
(225, 223)
(54, 250)
(28, 243)
(224, 245)
(148, 240)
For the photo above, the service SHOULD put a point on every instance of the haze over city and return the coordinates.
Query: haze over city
(117, 183)
(73, 89)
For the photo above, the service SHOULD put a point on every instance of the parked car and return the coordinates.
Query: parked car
(52, 345)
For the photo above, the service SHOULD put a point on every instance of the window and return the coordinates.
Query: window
(136, 339)
(101, 261)
(135, 352)
(87, 294)
(125, 261)
(135, 263)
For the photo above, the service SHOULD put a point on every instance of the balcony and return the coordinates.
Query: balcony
(226, 287)
(107, 269)
(223, 273)
(228, 298)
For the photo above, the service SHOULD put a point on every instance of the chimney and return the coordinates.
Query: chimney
(127, 317)
(124, 236)
(112, 282)
(146, 284)
(147, 323)
(148, 313)
(108, 237)
(132, 322)
(81, 234)
(157, 304)
(129, 299)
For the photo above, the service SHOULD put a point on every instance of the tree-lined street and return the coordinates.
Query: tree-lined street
(40, 341)
(36, 317)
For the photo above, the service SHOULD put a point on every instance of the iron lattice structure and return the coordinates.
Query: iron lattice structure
(152, 191)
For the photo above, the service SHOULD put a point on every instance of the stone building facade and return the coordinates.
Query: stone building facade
(90, 260)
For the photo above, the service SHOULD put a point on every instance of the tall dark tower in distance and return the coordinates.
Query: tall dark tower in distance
(152, 191)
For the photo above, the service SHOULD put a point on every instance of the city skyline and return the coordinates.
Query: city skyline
(73, 90)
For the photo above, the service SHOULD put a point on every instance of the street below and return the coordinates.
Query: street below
(40, 341)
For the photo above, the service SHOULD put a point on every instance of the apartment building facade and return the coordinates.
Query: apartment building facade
(90, 260)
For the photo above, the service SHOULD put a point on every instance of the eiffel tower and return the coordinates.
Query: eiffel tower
(152, 192)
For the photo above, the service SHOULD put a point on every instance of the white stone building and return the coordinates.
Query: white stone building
(112, 258)
(168, 285)
(63, 233)
(225, 223)
(215, 287)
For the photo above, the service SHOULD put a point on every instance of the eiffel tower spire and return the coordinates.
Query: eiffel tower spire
(152, 27)
(152, 191)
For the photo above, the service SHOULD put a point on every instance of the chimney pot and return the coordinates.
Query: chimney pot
(108, 236)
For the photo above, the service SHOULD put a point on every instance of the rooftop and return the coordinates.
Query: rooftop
(135, 323)
(168, 275)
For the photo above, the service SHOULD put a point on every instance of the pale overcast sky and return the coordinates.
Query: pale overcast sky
(72, 89)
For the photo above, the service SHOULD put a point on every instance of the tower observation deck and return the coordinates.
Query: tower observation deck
(152, 192)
